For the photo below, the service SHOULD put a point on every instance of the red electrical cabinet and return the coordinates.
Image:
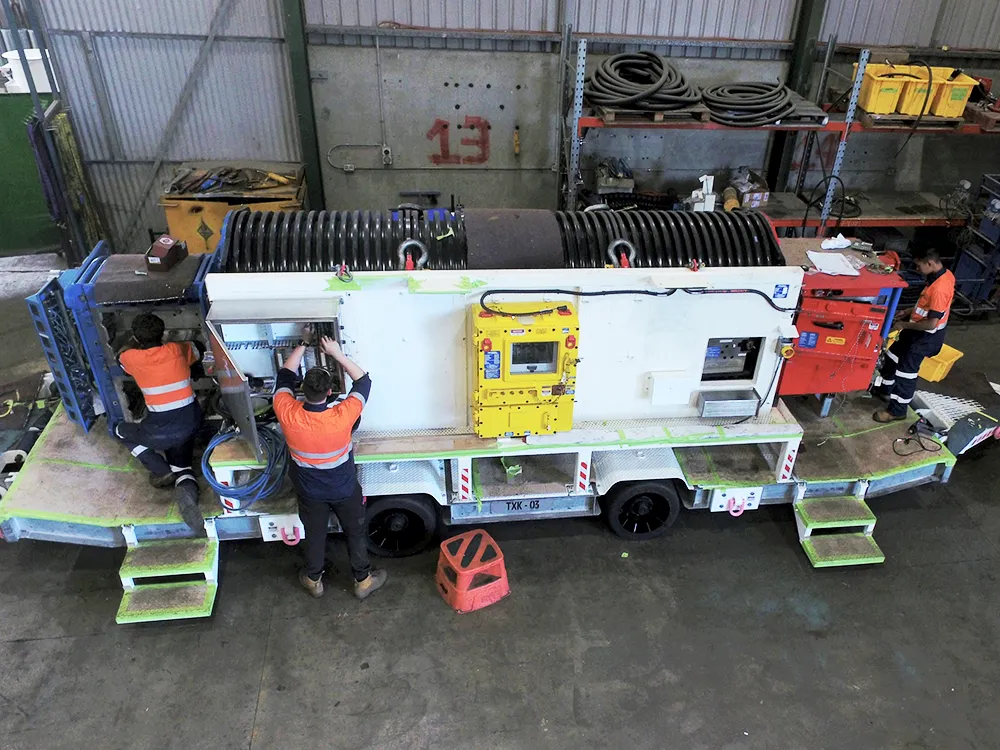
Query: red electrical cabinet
(841, 322)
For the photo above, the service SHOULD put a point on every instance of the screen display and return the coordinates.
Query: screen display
(533, 357)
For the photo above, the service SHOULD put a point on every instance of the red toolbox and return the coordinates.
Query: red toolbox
(841, 323)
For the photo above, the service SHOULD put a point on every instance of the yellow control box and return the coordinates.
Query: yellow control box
(525, 378)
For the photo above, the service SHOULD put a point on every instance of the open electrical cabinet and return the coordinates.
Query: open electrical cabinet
(247, 343)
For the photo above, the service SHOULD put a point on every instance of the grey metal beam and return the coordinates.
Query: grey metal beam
(165, 36)
(305, 112)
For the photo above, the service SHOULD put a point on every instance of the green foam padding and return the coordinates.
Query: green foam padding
(834, 512)
(832, 550)
(159, 602)
(175, 557)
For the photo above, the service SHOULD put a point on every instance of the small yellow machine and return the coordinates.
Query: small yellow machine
(525, 377)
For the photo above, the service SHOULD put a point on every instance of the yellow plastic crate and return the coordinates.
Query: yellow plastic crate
(951, 95)
(914, 93)
(937, 367)
(880, 89)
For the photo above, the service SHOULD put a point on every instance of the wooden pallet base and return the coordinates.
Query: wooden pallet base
(895, 121)
(984, 118)
(694, 113)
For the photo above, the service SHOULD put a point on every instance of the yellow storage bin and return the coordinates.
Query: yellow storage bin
(951, 96)
(937, 367)
(914, 93)
(880, 88)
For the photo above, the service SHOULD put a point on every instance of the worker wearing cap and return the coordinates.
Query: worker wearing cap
(163, 373)
(921, 334)
(318, 433)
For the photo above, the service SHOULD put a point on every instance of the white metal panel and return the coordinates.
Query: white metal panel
(969, 24)
(612, 467)
(888, 22)
(506, 15)
(414, 344)
(737, 19)
(404, 478)
(252, 18)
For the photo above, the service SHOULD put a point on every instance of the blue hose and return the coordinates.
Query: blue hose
(261, 485)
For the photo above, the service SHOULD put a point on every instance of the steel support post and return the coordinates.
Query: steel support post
(807, 28)
(573, 167)
(305, 113)
(838, 162)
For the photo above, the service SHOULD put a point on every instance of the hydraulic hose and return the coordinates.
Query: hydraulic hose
(260, 487)
(748, 105)
(639, 80)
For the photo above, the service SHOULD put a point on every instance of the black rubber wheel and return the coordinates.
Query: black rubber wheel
(641, 510)
(401, 525)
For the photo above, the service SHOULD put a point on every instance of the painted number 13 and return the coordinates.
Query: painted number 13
(481, 142)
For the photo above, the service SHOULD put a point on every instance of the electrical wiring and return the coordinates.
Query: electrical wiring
(813, 197)
(922, 444)
(613, 293)
(260, 484)
(923, 108)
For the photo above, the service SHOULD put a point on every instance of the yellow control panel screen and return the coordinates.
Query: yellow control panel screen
(525, 379)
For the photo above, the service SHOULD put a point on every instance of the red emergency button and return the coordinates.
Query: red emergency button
(486, 346)
(571, 342)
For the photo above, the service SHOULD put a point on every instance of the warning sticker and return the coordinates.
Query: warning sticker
(808, 340)
(491, 365)
(836, 340)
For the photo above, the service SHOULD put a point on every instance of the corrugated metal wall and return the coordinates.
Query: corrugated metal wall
(888, 22)
(124, 64)
(496, 15)
(969, 23)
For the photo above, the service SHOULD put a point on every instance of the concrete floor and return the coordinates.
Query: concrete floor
(718, 636)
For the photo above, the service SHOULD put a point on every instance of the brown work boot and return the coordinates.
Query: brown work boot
(161, 483)
(314, 588)
(374, 581)
(884, 416)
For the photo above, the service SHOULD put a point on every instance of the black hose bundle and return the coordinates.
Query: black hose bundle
(669, 239)
(639, 80)
(748, 105)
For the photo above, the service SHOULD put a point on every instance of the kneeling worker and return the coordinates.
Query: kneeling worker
(921, 334)
(163, 374)
(318, 434)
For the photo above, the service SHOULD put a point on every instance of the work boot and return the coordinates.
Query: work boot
(186, 494)
(883, 416)
(161, 483)
(314, 588)
(374, 581)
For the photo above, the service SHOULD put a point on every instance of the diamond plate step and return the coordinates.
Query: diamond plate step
(176, 557)
(158, 602)
(834, 512)
(831, 550)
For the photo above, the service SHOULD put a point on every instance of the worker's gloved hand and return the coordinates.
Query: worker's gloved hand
(331, 347)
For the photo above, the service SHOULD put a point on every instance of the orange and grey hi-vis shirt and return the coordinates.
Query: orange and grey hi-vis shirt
(163, 373)
(935, 300)
(319, 438)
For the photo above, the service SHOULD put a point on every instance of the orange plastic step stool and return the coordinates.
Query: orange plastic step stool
(470, 572)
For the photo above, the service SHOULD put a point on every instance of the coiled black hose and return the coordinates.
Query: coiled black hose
(670, 239)
(265, 241)
(639, 80)
(748, 105)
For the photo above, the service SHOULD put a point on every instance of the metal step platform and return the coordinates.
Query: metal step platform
(834, 512)
(158, 602)
(832, 550)
(170, 600)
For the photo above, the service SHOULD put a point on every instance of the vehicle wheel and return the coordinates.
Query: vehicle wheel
(641, 510)
(401, 525)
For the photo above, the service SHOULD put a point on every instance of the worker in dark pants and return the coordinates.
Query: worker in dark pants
(318, 433)
(163, 374)
(921, 334)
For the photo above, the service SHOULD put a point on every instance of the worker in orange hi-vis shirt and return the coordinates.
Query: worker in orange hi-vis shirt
(163, 374)
(921, 334)
(319, 431)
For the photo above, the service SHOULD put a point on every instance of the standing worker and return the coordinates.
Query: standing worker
(163, 374)
(921, 334)
(318, 433)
